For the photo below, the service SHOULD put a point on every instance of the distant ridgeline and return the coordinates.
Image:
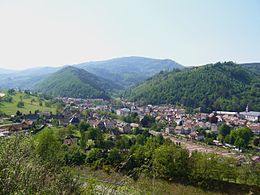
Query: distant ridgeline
(221, 86)
(124, 71)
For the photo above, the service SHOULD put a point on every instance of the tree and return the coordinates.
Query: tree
(22, 172)
(11, 91)
(170, 161)
(240, 137)
(147, 121)
(256, 142)
(48, 147)
(224, 130)
(93, 155)
(74, 156)
(114, 157)
(83, 126)
(20, 104)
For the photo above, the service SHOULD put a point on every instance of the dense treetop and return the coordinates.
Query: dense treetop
(220, 86)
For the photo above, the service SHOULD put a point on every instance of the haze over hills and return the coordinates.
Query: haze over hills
(129, 71)
(221, 86)
(126, 71)
(24, 78)
(75, 82)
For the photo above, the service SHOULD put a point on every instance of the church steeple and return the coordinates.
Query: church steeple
(247, 108)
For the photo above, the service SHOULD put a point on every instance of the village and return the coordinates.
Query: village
(170, 121)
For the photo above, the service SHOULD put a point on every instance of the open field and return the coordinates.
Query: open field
(31, 103)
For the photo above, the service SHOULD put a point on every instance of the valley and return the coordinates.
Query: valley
(180, 128)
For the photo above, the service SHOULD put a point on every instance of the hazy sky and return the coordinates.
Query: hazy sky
(191, 32)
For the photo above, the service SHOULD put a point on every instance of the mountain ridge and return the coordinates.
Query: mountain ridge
(220, 86)
(126, 73)
(75, 82)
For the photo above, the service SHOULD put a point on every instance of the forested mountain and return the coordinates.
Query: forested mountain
(125, 71)
(252, 66)
(75, 82)
(129, 71)
(220, 86)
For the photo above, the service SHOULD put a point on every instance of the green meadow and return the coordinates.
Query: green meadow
(31, 103)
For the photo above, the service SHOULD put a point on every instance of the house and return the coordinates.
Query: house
(197, 136)
(179, 130)
(100, 125)
(74, 120)
(16, 127)
(123, 111)
(226, 113)
(214, 128)
(255, 159)
(213, 118)
(187, 130)
(124, 127)
(114, 132)
(250, 116)
(27, 124)
(109, 124)
(169, 130)
(134, 125)
(255, 128)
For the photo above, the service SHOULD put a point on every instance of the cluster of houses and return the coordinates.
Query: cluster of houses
(8, 129)
(174, 119)
(189, 124)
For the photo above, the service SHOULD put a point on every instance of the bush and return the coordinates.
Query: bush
(20, 104)
(21, 172)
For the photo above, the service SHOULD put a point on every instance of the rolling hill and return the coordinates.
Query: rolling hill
(125, 71)
(129, 71)
(220, 86)
(75, 82)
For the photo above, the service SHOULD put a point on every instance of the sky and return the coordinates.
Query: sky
(192, 32)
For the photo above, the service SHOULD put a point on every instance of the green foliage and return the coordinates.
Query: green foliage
(11, 92)
(170, 161)
(20, 104)
(7, 98)
(224, 130)
(83, 126)
(74, 82)
(114, 157)
(148, 121)
(48, 147)
(93, 155)
(74, 155)
(31, 103)
(240, 137)
(21, 171)
(131, 118)
(221, 86)
(129, 71)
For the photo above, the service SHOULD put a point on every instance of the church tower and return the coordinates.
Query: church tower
(247, 108)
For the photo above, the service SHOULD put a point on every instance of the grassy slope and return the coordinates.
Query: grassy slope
(142, 186)
(11, 108)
